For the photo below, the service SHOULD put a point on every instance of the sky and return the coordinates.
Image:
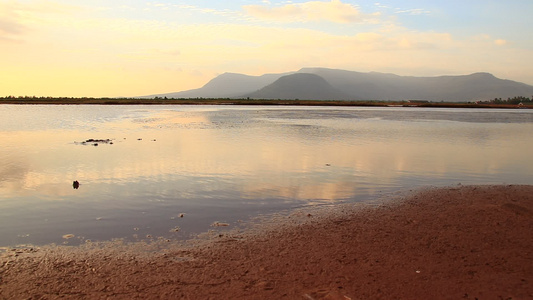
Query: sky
(103, 48)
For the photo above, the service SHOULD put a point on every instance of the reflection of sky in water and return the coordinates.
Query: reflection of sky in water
(229, 163)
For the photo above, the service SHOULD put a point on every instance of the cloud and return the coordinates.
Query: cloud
(500, 42)
(333, 11)
(489, 40)
(10, 27)
(414, 11)
(151, 8)
(17, 19)
(10, 30)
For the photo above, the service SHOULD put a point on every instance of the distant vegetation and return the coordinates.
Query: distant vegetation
(516, 102)
(513, 101)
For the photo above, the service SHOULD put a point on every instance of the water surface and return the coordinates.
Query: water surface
(230, 163)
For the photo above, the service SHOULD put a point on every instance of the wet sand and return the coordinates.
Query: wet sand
(464, 242)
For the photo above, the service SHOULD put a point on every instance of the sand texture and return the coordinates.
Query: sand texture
(464, 242)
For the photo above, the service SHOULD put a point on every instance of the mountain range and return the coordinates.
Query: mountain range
(333, 84)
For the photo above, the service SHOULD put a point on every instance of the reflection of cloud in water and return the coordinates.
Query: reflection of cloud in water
(13, 170)
(222, 163)
(250, 153)
(309, 192)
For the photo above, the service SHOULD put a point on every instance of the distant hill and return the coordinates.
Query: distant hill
(227, 85)
(299, 86)
(382, 86)
(332, 84)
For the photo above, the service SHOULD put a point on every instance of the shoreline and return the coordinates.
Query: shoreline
(254, 102)
(443, 243)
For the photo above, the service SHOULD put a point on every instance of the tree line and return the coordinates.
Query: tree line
(514, 100)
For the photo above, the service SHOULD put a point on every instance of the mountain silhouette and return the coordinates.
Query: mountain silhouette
(333, 84)
(227, 85)
(383, 86)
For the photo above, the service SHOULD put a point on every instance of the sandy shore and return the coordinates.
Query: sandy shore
(465, 242)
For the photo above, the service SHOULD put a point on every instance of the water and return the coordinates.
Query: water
(231, 163)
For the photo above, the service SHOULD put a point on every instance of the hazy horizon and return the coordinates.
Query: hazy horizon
(131, 48)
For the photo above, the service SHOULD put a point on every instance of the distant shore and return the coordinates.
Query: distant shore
(202, 101)
(462, 242)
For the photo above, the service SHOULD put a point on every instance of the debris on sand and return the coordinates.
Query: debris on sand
(219, 224)
(96, 142)
(179, 216)
(175, 229)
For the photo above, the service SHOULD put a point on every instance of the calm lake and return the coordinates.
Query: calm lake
(165, 167)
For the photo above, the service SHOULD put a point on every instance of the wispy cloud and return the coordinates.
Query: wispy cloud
(332, 11)
(398, 10)
(413, 11)
(188, 8)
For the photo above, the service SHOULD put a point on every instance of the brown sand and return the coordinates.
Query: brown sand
(472, 242)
